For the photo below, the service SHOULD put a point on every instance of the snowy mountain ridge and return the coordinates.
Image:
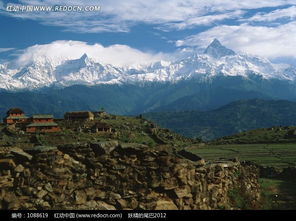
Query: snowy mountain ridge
(216, 60)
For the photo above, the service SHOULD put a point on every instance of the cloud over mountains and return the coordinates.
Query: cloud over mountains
(259, 27)
(58, 51)
(271, 42)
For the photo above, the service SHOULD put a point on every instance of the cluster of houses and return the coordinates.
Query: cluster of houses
(45, 122)
(36, 123)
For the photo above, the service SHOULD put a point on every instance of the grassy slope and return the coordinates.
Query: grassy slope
(264, 135)
(277, 155)
(277, 193)
(273, 147)
(127, 129)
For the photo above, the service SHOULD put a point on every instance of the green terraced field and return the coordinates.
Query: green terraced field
(277, 193)
(278, 155)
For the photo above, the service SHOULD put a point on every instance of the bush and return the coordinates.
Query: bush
(239, 199)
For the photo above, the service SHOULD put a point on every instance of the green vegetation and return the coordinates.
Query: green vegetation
(265, 135)
(124, 129)
(278, 193)
(277, 155)
(230, 119)
(238, 199)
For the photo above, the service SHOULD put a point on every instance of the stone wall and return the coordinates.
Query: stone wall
(109, 175)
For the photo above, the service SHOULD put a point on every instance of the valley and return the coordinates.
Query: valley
(233, 118)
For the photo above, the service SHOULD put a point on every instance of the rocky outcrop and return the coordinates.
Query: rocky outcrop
(108, 175)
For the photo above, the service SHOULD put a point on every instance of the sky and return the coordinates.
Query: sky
(139, 31)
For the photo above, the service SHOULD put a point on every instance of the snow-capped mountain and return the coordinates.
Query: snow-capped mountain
(216, 50)
(216, 60)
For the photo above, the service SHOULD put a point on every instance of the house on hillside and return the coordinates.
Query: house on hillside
(79, 115)
(42, 123)
(15, 115)
(100, 114)
(101, 127)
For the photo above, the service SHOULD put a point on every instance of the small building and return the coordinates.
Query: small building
(15, 115)
(101, 126)
(42, 123)
(42, 118)
(79, 115)
(100, 114)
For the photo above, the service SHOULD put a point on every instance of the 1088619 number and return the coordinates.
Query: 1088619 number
(36, 215)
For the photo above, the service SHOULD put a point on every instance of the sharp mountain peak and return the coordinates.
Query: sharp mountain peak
(217, 50)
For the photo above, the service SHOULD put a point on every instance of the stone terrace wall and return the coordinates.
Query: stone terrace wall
(108, 175)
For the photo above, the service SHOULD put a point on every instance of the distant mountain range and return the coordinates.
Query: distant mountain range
(202, 82)
(228, 120)
(216, 61)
